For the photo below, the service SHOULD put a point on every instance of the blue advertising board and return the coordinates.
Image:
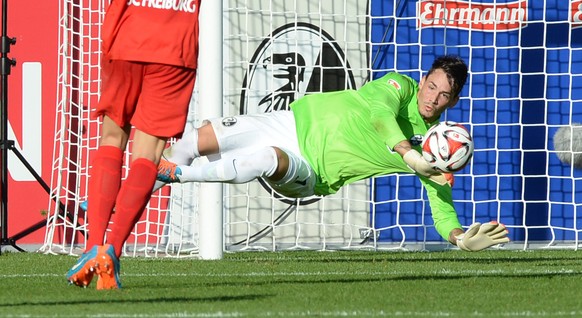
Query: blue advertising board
(525, 63)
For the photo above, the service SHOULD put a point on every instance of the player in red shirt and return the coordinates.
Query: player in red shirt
(148, 70)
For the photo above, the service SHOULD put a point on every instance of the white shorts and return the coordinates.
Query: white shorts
(246, 134)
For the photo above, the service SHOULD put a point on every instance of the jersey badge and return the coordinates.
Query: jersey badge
(394, 83)
(228, 121)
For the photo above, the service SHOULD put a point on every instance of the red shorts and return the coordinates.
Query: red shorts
(153, 98)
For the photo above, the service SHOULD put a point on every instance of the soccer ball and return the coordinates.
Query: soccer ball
(447, 146)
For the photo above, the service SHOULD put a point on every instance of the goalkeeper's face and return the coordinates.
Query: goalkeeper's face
(435, 95)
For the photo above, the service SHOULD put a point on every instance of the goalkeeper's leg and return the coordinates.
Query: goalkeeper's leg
(287, 173)
(237, 168)
(237, 136)
(183, 152)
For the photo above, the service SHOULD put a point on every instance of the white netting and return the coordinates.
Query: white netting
(525, 83)
(158, 232)
(525, 80)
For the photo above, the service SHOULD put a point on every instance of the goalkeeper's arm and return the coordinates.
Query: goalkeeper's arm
(479, 236)
(413, 159)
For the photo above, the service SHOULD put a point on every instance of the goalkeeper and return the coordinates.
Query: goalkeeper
(332, 139)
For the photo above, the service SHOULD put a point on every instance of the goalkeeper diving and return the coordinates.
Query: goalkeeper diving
(328, 140)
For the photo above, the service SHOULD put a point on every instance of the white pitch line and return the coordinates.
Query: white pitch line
(338, 313)
(443, 272)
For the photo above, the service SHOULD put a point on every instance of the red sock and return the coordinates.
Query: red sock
(133, 197)
(104, 182)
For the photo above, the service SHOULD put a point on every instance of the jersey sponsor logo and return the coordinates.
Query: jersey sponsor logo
(294, 60)
(176, 5)
(416, 140)
(576, 13)
(394, 83)
(228, 121)
(470, 15)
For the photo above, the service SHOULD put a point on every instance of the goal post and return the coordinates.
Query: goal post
(210, 94)
(525, 83)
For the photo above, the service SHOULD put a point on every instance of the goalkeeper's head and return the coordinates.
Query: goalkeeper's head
(456, 71)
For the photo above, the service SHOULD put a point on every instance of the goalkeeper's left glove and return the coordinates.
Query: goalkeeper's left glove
(481, 236)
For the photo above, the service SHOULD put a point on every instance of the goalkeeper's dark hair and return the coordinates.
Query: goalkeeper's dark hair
(456, 71)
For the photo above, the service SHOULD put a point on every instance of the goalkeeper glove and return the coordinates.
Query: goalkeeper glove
(481, 236)
(415, 161)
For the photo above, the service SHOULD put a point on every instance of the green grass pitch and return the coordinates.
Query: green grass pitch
(492, 283)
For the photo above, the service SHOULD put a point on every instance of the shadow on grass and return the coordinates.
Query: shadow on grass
(447, 256)
(136, 301)
(388, 278)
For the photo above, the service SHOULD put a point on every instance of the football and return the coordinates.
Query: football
(447, 146)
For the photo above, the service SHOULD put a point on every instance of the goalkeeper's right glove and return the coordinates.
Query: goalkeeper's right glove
(481, 236)
(415, 161)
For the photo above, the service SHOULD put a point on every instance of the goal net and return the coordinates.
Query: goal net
(525, 83)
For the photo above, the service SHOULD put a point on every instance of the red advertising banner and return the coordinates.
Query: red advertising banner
(31, 113)
(472, 15)
(576, 13)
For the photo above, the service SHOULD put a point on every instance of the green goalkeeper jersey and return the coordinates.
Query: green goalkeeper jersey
(349, 135)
